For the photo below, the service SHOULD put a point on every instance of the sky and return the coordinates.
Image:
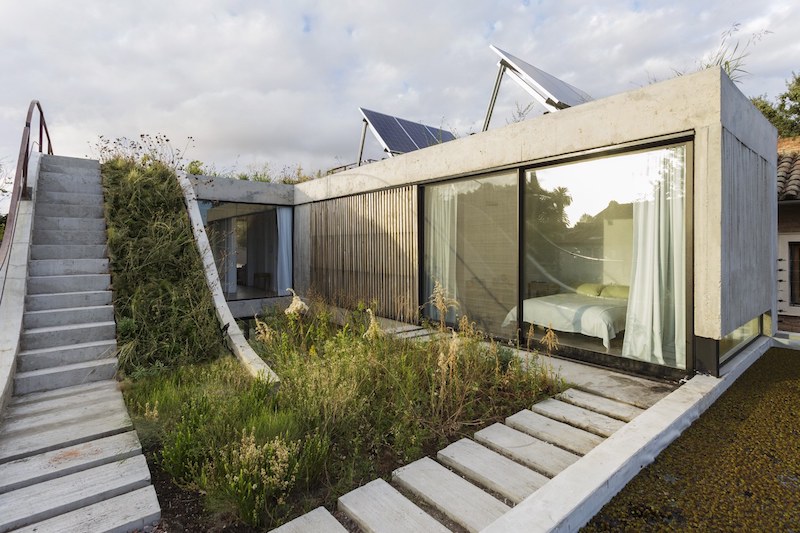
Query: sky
(259, 83)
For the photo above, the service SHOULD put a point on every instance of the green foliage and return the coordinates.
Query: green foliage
(784, 114)
(162, 304)
(3, 219)
(353, 404)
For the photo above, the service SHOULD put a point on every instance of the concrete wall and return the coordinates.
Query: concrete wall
(249, 192)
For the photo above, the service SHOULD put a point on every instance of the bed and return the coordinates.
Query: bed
(595, 316)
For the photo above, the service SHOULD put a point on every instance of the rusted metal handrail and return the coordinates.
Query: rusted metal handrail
(20, 188)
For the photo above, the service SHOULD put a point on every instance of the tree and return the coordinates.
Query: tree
(784, 114)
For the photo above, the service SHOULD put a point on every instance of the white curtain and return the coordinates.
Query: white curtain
(441, 212)
(284, 274)
(655, 329)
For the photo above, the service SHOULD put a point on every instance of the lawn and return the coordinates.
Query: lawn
(737, 468)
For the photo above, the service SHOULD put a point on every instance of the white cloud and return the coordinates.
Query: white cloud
(256, 81)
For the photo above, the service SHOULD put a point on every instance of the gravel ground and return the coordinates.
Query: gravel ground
(737, 468)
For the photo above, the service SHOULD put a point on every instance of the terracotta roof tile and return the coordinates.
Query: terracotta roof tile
(789, 176)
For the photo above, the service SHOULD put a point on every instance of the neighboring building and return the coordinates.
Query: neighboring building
(789, 235)
(633, 225)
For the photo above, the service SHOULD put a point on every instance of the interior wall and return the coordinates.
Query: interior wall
(618, 248)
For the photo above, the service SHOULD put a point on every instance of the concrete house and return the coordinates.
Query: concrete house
(633, 226)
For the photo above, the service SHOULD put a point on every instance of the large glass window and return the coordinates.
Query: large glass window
(252, 247)
(604, 261)
(471, 245)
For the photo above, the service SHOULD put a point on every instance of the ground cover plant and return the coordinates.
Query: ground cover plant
(736, 468)
(164, 312)
(354, 403)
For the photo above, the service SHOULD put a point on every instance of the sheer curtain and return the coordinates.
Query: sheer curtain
(655, 328)
(441, 212)
(284, 274)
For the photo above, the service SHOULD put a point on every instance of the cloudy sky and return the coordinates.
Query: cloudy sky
(257, 82)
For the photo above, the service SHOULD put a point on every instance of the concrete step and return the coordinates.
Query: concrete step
(67, 316)
(60, 163)
(457, 498)
(602, 425)
(598, 404)
(377, 507)
(57, 463)
(65, 355)
(132, 511)
(68, 283)
(71, 224)
(50, 209)
(50, 337)
(47, 402)
(64, 375)
(55, 251)
(54, 236)
(70, 182)
(562, 435)
(62, 267)
(70, 198)
(41, 302)
(33, 504)
(52, 437)
(66, 392)
(491, 470)
(317, 521)
(541, 456)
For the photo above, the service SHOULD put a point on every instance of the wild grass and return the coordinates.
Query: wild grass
(163, 308)
(354, 403)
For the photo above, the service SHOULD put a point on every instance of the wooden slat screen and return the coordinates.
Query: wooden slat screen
(364, 249)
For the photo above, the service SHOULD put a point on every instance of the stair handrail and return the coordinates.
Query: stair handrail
(20, 188)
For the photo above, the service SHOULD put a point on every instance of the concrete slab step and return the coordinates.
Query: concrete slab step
(67, 316)
(37, 421)
(57, 463)
(377, 507)
(60, 163)
(602, 425)
(68, 283)
(33, 504)
(599, 404)
(562, 435)
(50, 209)
(66, 223)
(62, 267)
(69, 198)
(50, 337)
(65, 355)
(79, 251)
(66, 392)
(317, 521)
(51, 181)
(491, 470)
(132, 511)
(541, 456)
(53, 236)
(64, 376)
(71, 186)
(41, 302)
(457, 498)
(48, 438)
(108, 391)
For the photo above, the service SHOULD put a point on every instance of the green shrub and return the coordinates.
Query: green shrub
(162, 304)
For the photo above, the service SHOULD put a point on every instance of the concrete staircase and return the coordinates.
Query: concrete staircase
(69, 458)
(473, 482)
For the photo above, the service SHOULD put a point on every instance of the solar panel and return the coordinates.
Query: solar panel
(399, 136)
(552, 92)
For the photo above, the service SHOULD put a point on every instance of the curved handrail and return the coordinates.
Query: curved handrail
(20, 188)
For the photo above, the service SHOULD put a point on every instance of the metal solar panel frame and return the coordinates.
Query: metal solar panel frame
(400, 136)
(550, 91)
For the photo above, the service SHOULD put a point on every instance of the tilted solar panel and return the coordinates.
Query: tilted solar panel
(552, 91)
(399, 136)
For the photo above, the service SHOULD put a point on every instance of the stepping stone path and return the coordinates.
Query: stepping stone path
(69, 457)
(473, 482)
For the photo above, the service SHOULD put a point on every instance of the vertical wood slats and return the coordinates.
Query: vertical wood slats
(364, 249)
